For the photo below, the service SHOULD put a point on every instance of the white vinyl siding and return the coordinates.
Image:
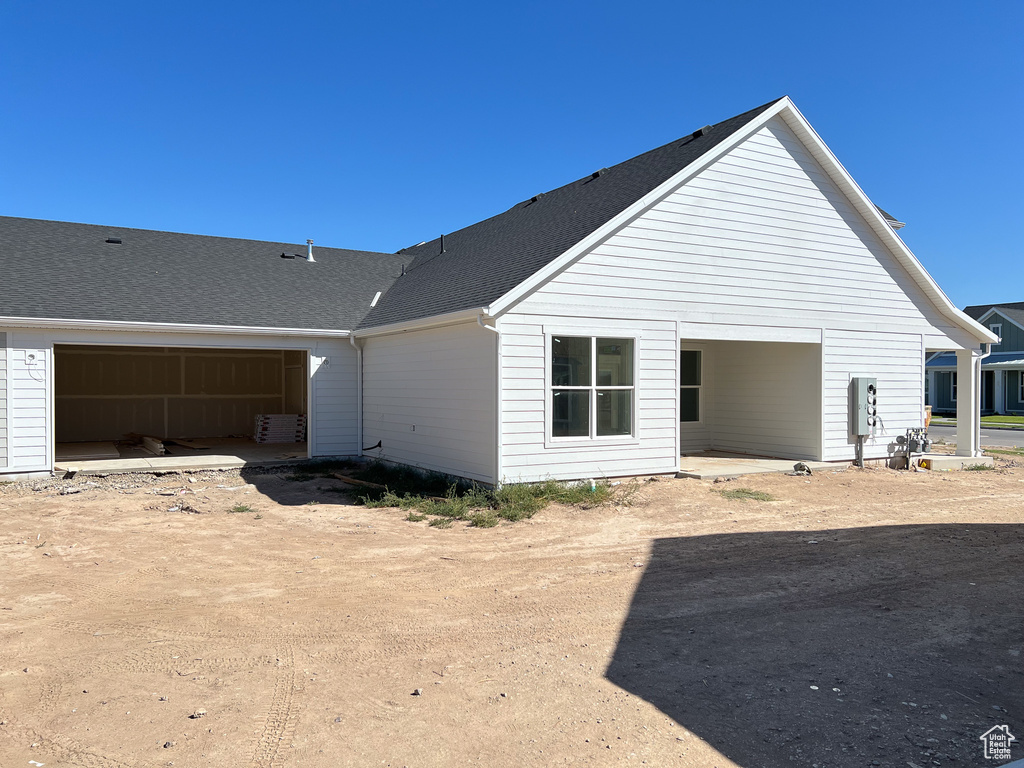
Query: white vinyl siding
(28, 406)
(429, 398)
(896, 360)
(334, 416)
(525, 456)
(3, 400)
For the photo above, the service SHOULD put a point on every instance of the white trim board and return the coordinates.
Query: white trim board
(49, 323)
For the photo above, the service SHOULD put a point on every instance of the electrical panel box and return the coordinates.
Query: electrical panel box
(863, 405)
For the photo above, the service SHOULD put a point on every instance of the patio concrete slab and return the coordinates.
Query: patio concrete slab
(718, 465)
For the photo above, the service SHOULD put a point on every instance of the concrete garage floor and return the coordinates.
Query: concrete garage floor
(715, 465)
(223, 453)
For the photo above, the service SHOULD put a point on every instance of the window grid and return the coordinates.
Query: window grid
(594, 390)
(698, 386)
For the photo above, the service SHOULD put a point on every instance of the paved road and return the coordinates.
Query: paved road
(995, 437)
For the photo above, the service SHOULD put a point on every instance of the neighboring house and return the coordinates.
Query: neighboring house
(1002, 372)
(718, 292)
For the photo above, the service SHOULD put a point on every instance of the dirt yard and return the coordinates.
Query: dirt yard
(863, 618)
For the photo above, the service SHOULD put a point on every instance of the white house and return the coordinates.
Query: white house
(718, 292)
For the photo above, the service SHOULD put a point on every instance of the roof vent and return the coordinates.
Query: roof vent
(114, 240)
(601, 172)
(536, 197)
(309, 251)
(702, 131)
(288, 255)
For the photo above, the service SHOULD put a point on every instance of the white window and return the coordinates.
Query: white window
(690, 380)
(592, 386)
(952, 388)
(997, 329)
(1020, 380)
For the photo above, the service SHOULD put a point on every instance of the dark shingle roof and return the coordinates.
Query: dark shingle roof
(54, 269)
(1014, 311)
(486, 260)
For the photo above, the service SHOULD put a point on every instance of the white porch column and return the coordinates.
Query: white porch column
(1000, 391)
(968, 403)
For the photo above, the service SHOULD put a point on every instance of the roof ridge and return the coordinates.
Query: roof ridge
(109, 227)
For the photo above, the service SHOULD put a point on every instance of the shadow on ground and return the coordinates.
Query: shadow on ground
(304, 483)
(853, 647)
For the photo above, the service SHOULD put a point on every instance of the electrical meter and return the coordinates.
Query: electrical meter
(863, 405)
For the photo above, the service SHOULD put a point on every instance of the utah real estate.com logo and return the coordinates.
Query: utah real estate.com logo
(997, 741)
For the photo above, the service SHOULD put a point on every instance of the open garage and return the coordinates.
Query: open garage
(191, 400)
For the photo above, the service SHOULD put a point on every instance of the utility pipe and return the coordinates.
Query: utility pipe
(359, 394)
(497, 398)
(976, 422)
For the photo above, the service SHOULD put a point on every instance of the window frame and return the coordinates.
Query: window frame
(998, 333)
(699, 387)
(1020, 386)
(952, 387)
(576, 441)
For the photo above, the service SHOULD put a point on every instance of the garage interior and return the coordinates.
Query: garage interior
(202, 404)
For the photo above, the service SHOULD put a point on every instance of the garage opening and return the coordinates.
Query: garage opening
(175, 407)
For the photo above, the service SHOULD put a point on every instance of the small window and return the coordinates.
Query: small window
(592, 387)
(690, 379)
(997, 329)
(952, 388)
(1020, 381)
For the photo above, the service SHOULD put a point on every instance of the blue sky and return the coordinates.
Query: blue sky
(377, 125)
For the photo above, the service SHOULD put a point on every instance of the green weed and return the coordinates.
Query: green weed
(483, 519)
(240, 508)
(979, 467)
(412, 517)
(747, 493)
(1006, 451)
(441, 497)
(441, 522)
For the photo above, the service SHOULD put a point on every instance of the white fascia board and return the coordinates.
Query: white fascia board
(449, 318)
(660, 192)
(787, 110)
(830, 163)
(124, 325)
(995, 311)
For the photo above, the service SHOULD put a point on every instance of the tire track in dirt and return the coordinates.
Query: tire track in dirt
(90, 594)
(279, 727)
(57, 746)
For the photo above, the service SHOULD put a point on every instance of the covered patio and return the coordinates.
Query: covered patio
(723, 465)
